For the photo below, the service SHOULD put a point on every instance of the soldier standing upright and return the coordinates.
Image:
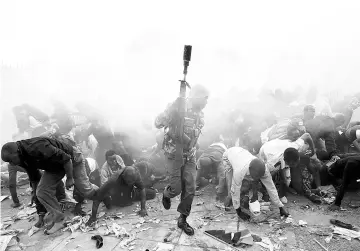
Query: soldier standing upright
(182, 179)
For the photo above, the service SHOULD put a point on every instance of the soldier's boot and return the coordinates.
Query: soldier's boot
(182, 224)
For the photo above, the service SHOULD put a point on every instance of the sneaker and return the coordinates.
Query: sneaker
(284, 200)
(183, 225)
(166, 202)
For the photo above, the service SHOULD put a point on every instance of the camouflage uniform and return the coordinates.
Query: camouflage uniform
(181, 180)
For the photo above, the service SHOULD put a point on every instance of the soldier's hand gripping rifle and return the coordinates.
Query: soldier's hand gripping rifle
(182, 139)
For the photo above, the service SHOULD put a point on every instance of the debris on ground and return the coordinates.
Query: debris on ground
(3, 197)
(79, 222)
(157, 221)
(24, 214)
(163, 247)
(320, 230)
(342, 224)
(33, 230)
(8, 241)
(324, 248)
(199, 203)
(343, 232)
(11, 232)
(328, 239)
(126, 243)
(4, 226)
(119, 232)
(101, 214)
(266, 243)
(99, 240)
(170, 235)
(114, 216)
(302, 223)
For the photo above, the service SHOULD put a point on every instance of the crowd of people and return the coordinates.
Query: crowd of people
(271, 156)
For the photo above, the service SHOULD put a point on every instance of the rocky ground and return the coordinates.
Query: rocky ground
(149, 232)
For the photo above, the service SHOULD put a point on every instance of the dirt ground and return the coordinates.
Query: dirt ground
(149, 233)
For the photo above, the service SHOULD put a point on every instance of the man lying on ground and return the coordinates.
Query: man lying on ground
(125, 186)
(239, 165)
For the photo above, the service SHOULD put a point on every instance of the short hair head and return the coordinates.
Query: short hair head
(291, 157)
(257, 169)
(9, 153)
(109, 153)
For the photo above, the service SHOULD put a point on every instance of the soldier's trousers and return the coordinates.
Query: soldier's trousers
(182, 180)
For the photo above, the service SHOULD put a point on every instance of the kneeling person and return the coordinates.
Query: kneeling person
(239, 165)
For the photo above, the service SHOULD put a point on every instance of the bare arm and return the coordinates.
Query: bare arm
(308, 139)
(143, 199)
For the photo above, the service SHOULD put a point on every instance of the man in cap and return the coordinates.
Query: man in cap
(183, 179)
(240, 165)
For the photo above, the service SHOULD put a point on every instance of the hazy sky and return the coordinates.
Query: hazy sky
(126, 56)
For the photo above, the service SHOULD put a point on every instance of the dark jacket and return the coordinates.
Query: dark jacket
(45, 154)
(323, 127)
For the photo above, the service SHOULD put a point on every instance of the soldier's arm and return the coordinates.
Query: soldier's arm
(164, 118)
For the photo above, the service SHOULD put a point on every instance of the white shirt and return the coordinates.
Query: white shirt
(272, 151)
(219, 144)
(237, 160)
(92, 164)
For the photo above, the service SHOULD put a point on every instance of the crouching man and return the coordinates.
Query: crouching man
(124, 186)
(56, 158)
(240, 165)
(211, 161)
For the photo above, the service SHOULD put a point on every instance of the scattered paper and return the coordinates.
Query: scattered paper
(163, 247)
(8, 240)
(11, 231)
(266, 243)
(33, 230)
(25, 213)
(119, 232)
(3, 197)
(328, 239)
(302, 223)
(101, 214)
(346, 232)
